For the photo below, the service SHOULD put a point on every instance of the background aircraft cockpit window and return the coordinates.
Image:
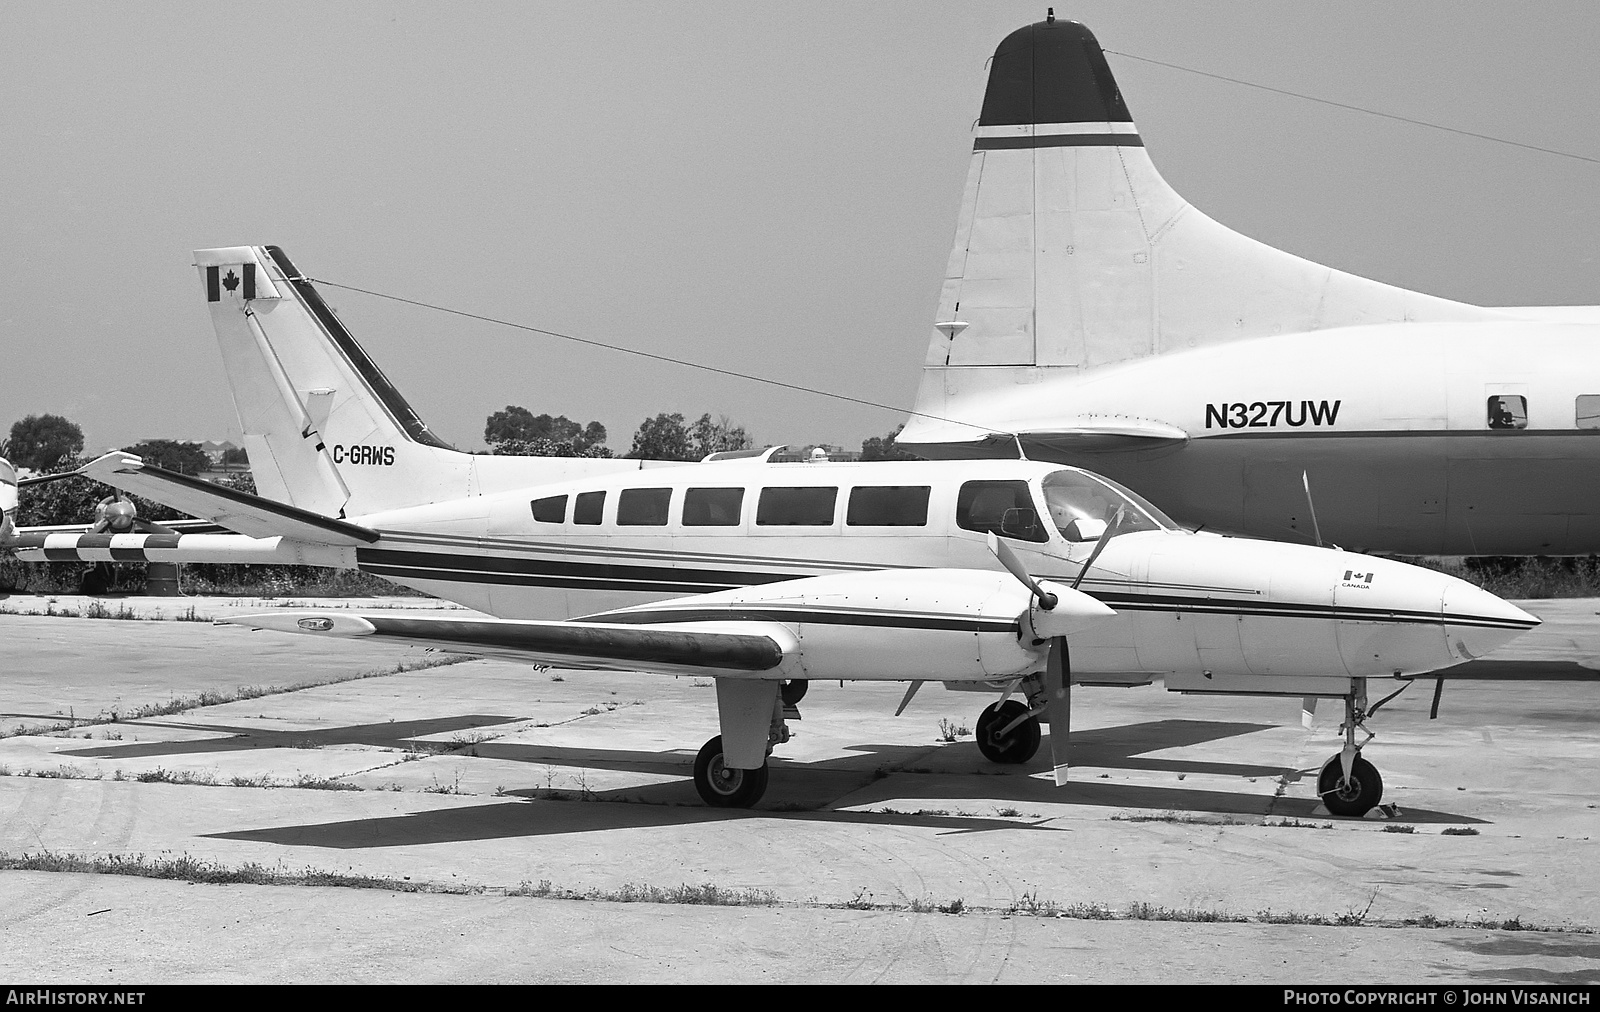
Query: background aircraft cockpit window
(588, 508)
(712, 507)
(551, 510)
(1589, 411)
(888, 506)
(643, 507)
(796, 507)
(1071, 496)
(1508, 411)
(1000, 507)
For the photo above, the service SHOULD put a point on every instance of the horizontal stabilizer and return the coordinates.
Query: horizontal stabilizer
(751, 647)
(237, 511)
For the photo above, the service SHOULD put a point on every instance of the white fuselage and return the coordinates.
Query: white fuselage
(1209, 613)
(1393, 424)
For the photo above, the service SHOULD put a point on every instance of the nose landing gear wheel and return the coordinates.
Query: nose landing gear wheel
(1017, 745)
(722, 786)
(1356, 796)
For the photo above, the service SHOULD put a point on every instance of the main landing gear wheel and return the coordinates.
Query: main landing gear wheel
(1355, 797)
(1017, 745)
(722, 786)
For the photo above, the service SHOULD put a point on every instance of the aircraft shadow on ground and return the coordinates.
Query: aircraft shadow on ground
(798, 790)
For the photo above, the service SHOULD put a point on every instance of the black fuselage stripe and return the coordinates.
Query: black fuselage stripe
(536, 580)
(806, 615)
(486, 564)
(1058, 141)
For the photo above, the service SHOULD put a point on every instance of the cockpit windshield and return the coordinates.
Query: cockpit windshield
(1081, 504)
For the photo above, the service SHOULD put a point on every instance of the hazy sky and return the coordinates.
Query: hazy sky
(770, 187)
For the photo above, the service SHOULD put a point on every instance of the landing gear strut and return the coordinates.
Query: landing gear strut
(1349, 785)
(723, 786)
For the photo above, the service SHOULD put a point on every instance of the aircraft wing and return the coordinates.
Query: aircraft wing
(237, 511)
(724, 649)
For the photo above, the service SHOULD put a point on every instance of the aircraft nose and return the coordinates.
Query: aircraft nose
(1476, 622)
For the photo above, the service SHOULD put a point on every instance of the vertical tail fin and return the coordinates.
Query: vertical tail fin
(326, 431)
(1071, 251)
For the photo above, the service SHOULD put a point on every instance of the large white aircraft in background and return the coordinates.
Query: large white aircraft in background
(764, 576)
(1093, 316)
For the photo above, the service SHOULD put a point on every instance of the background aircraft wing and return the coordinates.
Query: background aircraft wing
(723, 649)
(237, 511)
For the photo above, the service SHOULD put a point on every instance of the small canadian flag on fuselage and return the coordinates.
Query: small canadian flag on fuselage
(237, 280)
(1351, 575)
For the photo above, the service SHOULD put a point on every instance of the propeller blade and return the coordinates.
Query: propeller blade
(1099, 546)
(1008, 559)
(1058, 704)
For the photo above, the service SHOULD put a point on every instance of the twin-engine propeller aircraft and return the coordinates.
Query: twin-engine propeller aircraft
(1094, 317)
(764, 575)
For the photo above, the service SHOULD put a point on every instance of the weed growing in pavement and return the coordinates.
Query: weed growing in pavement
(1269, 916)
(1151, 912)
(1458, 831)
(454, 787)
(1297, 824)
(1030, 904)
(1354, 918)
(201, 870)
(861, 901)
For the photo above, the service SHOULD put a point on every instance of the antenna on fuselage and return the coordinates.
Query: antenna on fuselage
(1316, 530)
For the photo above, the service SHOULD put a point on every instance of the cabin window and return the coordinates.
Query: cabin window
(1589, 411)
(588, 508)
(1000, 507)
(712, 507)
(888, 506)
(643, 507)
(550, 510)
(1508, 411)
(796, 507)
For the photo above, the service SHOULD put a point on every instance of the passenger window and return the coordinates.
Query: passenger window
(643, 507)
(888, 506)
(796, 507)
(552, 510)
(588, 508)
(1508, 411)
(1589, 411)
(1000, 507)
(712, 507)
